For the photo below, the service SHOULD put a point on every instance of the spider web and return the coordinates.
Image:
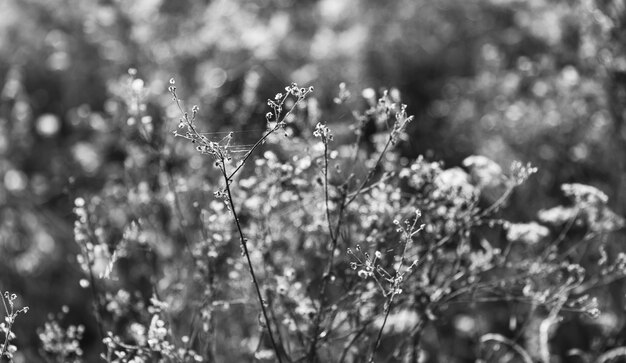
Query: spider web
(238, 143)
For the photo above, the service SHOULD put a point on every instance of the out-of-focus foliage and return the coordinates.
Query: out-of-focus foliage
(540, 81)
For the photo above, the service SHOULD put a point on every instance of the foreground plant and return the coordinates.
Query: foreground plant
(276, 121)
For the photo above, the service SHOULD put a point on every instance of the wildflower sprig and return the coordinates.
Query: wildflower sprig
(323, 132)
(382, 111)
(276, 120)
(188, 123)
(369, 267)
(10, 314)
(365, 265)
(519, 172)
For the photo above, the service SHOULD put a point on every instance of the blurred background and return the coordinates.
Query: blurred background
(540, 81)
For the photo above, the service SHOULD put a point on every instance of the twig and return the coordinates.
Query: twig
(326, 136)
(382, 327)
(244, 245)
(371, 172)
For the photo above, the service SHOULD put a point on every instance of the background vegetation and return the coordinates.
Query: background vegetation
(81, 140)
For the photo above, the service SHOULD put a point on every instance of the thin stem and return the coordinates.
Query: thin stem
(497, 204)
(370, 174)
(382, 327)
(208, 300)
(325, 279)
(330, 228)
(182, 227)
(349, 344)
(561, 238)
(416, 334)
(334, 236)
(96, 296)
(244, 245)
(92, 286)
(272, 313)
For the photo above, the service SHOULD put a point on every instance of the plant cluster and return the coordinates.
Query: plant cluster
(321, 243)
